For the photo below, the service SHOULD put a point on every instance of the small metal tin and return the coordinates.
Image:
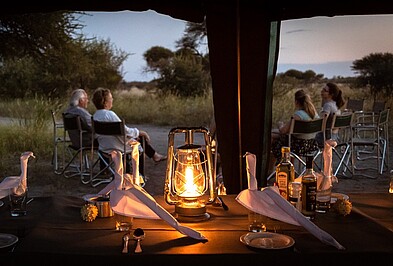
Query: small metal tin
(103, 205)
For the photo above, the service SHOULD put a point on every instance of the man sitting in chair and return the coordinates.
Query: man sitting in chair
(78, 106)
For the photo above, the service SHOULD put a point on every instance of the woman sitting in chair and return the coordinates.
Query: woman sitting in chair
(305, 110)
(102, 99)
(332, 101)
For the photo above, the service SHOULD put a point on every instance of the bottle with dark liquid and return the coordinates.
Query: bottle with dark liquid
(285, 172)
(309, 189)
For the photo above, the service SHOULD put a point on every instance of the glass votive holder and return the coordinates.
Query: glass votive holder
(256, 222)
(294, 194)
(123, 223)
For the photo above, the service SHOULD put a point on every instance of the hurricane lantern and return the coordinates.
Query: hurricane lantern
(190, 181)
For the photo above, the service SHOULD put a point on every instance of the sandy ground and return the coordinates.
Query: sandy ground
(44, 182)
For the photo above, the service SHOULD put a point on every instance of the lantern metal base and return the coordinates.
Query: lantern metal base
(189, 215)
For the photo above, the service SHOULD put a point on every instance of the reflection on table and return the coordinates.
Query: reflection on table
(53, 232)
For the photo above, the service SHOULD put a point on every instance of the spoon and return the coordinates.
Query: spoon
(126, 237)
(138, 235)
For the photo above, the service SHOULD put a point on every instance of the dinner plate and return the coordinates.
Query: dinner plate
(267, 240)
(7, 240)
(335, 196)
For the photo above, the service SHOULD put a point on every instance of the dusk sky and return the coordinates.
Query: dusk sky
(329, 45)
(323, 44)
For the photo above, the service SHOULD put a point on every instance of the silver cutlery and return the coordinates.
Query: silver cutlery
(138, 235)
(126, 238)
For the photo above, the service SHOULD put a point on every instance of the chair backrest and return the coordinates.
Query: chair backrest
(343, 123)
(342, 120)
(303, 137)
(383, 117)
(108, 128)
(71, 122)
(307, 127)
(379, 106)
(355, 105)
(111, 129)
(73, 126)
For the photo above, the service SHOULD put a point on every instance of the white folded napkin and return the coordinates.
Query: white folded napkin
(121, 180)
(17, 184)
(136, 202)
(328, 158)
(270, 203)
(132, 200)
(251, 170)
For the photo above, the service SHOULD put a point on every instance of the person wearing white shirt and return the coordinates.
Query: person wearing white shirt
(103, 100)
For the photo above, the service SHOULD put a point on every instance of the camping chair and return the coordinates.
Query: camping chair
(304, 132)
(354, 105)
(76, 129)
(342, 151)
(311, 129)
(357, 107)
(379, 106)
(107, 171)
(58, 139)
(375, 134)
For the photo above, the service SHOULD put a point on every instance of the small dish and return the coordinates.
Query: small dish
(267, 240)
(7, 240)
(335, 196)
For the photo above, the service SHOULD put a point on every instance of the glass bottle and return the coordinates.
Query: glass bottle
(309, 190)
(285, 172)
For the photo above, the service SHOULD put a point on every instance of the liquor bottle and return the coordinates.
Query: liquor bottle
(285, 172)
(309, 190)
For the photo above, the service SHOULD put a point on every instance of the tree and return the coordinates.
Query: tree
(376, 71)
(185, 72)
(194, 36)
(33, 34)
(48, 56)
(183, 76)
(156, 58)
(307, 76)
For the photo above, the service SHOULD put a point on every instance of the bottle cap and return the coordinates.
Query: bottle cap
(285, 149)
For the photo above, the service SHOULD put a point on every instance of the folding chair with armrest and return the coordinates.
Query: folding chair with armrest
(375, 134)
(78, 149)
(354, 105)
(58, 138)
(115, 129)
(343, 123)
(302, 139)
(379, 106)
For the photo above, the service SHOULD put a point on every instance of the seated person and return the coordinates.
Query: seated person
(78, 106)
(102, 99)
(332, 102)
(305, 110)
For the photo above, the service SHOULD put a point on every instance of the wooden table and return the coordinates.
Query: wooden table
(54, 233)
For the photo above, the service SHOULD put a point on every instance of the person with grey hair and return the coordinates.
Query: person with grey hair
(78, 106)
